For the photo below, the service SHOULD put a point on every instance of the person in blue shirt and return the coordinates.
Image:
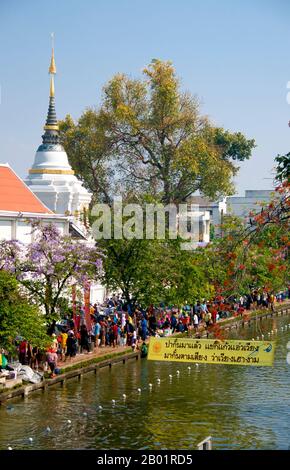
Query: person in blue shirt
(115, 318)
(111, 303)
(173, 322)
(180, 326)
(144, 328)
(97, 330)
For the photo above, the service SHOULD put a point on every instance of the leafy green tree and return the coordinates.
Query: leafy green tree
(18, 317)
(89, 154)
(154, 271)
(150, 137)
(149, 141)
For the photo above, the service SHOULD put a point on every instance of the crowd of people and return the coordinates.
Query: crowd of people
(116, 323)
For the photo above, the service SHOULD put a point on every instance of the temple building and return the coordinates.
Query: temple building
(51, 177)
(51, 193)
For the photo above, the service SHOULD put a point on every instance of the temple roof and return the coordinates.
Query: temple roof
(16, 196)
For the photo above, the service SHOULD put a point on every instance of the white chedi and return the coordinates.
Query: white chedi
(60, 191)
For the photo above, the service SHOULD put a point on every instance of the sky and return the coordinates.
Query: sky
(233, 54)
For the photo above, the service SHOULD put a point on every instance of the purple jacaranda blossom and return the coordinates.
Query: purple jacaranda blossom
(49, 265)
(58, 258)
(99, 263)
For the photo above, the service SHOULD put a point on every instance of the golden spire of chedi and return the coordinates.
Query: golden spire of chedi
(52, 68)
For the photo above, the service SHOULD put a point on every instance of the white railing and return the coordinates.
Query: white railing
(206, 444)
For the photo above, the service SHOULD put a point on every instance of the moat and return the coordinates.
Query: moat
(240, 407)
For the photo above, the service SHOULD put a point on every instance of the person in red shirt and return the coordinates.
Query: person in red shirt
(240, 310)
(23, 352)
(213, 313)
(185, 321)
(115, 335)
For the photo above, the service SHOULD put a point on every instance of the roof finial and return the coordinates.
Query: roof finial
(52, 67)
(51, 126)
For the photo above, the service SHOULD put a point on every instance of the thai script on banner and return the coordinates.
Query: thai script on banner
(212, 351)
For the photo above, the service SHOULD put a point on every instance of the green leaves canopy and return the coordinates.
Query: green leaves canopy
(18, 317)
(152, 271)
(149, 137)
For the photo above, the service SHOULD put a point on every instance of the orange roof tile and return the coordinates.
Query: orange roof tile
(16, 196)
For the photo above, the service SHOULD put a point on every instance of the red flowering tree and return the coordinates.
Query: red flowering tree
(253, 255)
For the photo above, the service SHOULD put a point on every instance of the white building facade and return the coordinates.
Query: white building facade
(19, 208)
(215, 209)
(253, 201)
(239, 206)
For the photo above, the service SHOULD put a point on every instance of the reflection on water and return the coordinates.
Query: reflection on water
(241, 407)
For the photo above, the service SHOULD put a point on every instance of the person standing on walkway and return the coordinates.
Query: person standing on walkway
(71, 345)
(207, 319)
(143, 328)
(122, 337)
(249, 302)
(152, 323)
(103, 333)
(23, 352)
(63, 337)
(54, 343)
(203, 309)
(51, 358)
(34, 358)
(97, 331)
(198, 310)
(271, 301)
(134, 340)
(115, 329)
(84, 339)
(195, 321)
(173, 322)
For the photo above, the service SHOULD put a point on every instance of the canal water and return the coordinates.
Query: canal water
(240, 407)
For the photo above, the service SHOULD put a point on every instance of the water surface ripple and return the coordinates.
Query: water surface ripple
(240, 407)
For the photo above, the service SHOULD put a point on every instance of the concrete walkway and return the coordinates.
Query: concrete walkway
(96, 353)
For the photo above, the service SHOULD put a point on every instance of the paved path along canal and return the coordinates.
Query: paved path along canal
(241, 407)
